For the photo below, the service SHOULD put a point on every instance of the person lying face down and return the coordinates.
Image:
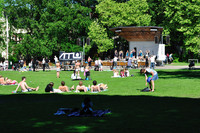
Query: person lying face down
(63, 88)
(82, 87)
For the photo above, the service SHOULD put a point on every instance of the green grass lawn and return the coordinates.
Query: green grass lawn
(173, 107)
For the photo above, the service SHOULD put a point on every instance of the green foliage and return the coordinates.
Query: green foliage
(2, 43)
(87, 48)
(13, 58)
(114, 14)
(180, 20)
(51, 26)
(184, 18)
(132, 12)
(99, 35)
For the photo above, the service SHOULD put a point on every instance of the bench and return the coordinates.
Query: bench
(189, 60)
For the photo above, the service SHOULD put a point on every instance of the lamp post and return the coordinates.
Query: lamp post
(79, 41)
(115, 37)
(7, 36)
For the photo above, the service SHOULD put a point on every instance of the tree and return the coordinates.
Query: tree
(51, 25)
(180, 19)
(114, 14)
(130, 13)
(2, 43)
(100, 37)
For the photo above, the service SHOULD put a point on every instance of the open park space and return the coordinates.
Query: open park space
(174, 106)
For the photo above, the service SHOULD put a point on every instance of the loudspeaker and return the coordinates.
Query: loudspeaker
(78, 41)
(156, 39)
(168, 39)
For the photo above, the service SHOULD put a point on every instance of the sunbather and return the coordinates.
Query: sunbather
(2, 79)
(64, 88)
(82, 87)
(10, 82)
(25, 87)
(95, 87)
(103, 86)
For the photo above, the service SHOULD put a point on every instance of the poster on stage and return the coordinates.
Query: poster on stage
(70, 56)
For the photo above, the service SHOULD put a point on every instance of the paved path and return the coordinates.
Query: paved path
(175, 67)
(157, 67)
(162, 67)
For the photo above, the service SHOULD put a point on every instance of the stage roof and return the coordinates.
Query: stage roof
(141, 33)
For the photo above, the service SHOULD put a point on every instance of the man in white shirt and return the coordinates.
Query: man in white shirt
(115, 61)
(55, 59)
(153, 61)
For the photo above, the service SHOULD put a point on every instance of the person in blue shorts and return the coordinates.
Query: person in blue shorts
(150, 76)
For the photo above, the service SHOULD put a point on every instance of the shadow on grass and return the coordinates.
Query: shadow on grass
(35, 113)
(179, 74)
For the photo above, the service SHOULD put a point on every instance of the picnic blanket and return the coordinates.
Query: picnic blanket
(69, 112)
(77, 79)
(100, 91)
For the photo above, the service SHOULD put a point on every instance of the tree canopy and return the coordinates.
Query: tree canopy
(114, 14)
(1, 25)
(52, 26)
(184, 23)
(181, 20)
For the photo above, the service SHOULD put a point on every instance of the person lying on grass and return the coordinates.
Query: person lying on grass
(95, 87)
(150, 76)
(64, 88)
(1, 79)
(10, 82)
(82, 87)
(25, 87)
(7, 81)
(103, 86)
(49, 88)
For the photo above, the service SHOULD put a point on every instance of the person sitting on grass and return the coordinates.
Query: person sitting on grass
(86, 107)
(49, 87)
(115, 73)
(150, 76)
(25, 87)
(95, 87)
(82, 87)
(122, 74)
(127, 74)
